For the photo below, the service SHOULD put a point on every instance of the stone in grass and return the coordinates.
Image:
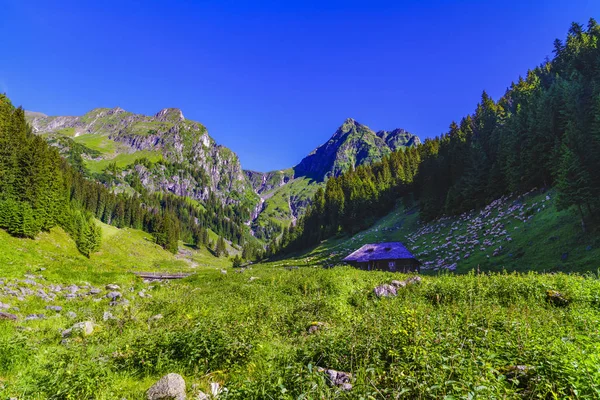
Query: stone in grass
(169, 387)
(122, 302)
(314, 327)
(112, 286)
(107, 316)
(54, 308)
(9, 316)
(33, 317)
(95, 291)
(557, 298)
(385, 290)
(338, 378)
(71, 315)
(155, 318)
(4, 306)
(113, 295)
(82, 328)
(410, 281)
(519, 374)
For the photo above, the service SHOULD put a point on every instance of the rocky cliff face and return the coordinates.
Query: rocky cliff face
(263, 182)
(181, 143)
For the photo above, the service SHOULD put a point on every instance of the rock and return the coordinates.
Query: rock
(155, 318)
(54, 308)
(85, 328)
(314, 327)
(557, 298)
(113, 295)
(5, 315)
(202, 396)
(72, 289)
(33, 317)
(71, 315)
(385, 290)
(82, 328)
(107, 315)
(4, 306)
(223, 271)
(398, 284)
(413, 280)
(95, 291)
(520, 373)
(338, 378)
(112, 286)
(410, 281)
(169, 387)
(122, 302)
(253, 278)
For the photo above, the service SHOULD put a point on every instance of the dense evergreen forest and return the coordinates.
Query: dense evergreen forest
(40, 190)
(544, 132)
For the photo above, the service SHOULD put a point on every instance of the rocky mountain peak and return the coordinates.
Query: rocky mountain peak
(170, 114)
(116, 110)
(351, 145)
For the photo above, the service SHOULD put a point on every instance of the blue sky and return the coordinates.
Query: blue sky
(273, 80)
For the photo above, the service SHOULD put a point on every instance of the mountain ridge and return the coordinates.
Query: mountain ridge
(170, 153)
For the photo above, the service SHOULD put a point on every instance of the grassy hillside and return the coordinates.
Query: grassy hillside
(122, 251)
(520, 233)
(279, 202)
(448, 337)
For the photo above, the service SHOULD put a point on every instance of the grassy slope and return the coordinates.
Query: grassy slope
(277, 208)
(450, 336)
(122, 251)
(550, 240)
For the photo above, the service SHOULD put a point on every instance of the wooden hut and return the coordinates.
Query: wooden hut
(392, 256)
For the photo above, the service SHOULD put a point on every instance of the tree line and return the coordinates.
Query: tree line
(353, 201)
(40, 190)
(544, 132)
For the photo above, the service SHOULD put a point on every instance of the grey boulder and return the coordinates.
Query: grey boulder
(385, 290)
(169, 387)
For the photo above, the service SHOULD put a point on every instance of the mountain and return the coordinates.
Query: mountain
(286, 194)
(165, 152)
(168, 153)
(353, 144)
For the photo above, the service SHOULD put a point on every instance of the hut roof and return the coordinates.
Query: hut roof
(380, 251)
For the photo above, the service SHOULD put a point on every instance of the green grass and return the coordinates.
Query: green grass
(277, 201)
(97, 142)
(550, 241)
(122, 160)
(449, 337)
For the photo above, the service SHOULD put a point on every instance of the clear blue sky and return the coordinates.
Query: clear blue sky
(272, 80)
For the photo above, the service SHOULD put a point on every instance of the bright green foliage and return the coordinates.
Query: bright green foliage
(449, 337)
(236, 261)
(221, 247)
(167, 233)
